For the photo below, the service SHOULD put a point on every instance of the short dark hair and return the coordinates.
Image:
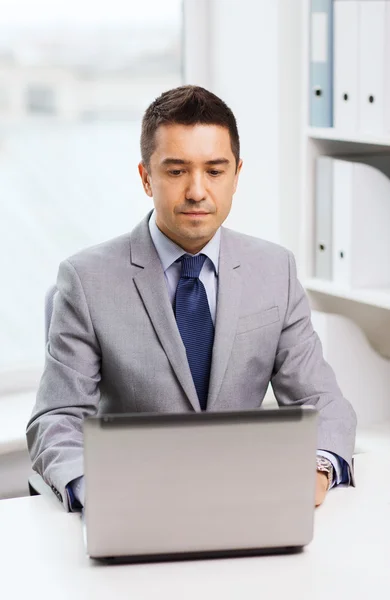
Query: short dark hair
(187, 105)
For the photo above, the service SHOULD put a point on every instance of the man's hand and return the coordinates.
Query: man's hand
(321, 487)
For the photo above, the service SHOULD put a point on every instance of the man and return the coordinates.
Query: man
(182, 314)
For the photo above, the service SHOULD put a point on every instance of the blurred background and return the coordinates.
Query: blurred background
(75, 79)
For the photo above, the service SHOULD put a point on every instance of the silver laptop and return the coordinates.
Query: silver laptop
(176, 486)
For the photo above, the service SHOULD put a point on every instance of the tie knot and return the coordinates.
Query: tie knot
(191, 266)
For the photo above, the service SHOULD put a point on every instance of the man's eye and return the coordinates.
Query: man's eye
(214, 173)
(175, 172)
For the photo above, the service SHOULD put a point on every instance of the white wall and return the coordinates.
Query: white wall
(253, 63)
(197, 42)
(291, 121)
(245, 75)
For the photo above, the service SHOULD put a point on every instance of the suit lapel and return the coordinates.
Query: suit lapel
(151, 285)
(228, 302)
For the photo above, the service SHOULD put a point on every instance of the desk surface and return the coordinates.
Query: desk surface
(42, 555)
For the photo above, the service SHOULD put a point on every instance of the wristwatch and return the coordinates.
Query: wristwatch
(325, 466)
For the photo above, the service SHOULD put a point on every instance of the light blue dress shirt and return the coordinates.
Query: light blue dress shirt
(168, 253)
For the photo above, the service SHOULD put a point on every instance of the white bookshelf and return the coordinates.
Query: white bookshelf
(329, 133)
(373, 297)
(369, 308)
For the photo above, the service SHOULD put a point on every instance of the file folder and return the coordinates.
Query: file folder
(346, 65)
(387, 70)
(321, 63)
(361, 218)
(372, 27)
(323, 217)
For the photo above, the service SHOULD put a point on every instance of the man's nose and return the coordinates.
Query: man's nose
(196, 189)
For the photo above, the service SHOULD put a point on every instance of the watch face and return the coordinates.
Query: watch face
(325, 466)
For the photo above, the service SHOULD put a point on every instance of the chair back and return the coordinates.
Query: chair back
(49, 303)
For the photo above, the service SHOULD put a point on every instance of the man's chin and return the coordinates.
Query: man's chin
(196, 233)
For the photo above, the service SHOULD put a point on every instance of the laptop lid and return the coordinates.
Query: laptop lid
(161, 485)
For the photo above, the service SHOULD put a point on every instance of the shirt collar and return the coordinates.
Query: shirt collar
(169, 252)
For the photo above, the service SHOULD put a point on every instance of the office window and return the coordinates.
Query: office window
(78, 76)
(40, 99)
(3, 99)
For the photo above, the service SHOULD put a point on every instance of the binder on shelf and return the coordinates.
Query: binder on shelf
(372, 50)
(387, 70)
(321, 63)
(361, 218)
(346, 65)
(323, 217)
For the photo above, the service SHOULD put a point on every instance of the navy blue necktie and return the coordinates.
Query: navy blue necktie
(195, 323)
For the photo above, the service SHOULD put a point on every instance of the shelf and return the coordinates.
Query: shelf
(343, 142)
(372, 297)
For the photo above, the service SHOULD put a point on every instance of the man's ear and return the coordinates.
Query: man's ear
(237, 175)
(145, 178)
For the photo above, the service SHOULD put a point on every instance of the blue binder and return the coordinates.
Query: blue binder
(321, 63)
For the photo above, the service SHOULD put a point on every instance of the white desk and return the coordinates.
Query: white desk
(42, 555)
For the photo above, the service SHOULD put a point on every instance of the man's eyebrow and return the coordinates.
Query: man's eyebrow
(218, 161)
(175, 161)
(180, 161)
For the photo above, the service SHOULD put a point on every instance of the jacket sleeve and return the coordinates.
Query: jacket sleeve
(69, 387)
(302, 376)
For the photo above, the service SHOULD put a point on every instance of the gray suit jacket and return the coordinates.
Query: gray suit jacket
(114, 347)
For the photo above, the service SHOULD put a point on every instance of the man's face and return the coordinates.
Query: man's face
(192, 180)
